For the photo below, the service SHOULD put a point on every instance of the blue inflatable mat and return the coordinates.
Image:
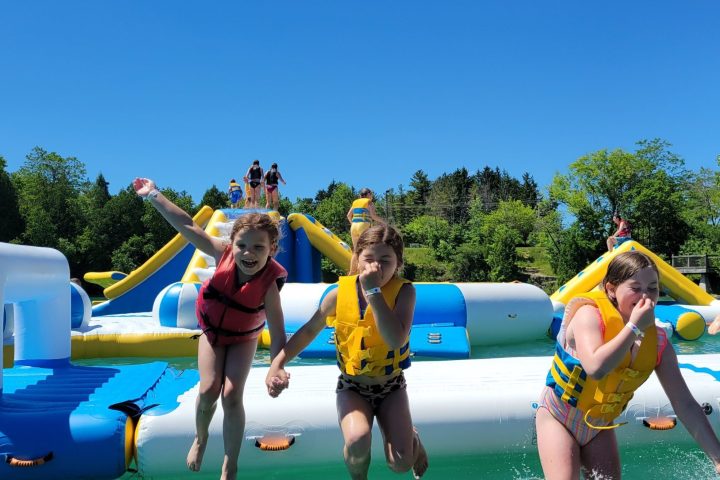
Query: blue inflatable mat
(72, 422)
(426, 340)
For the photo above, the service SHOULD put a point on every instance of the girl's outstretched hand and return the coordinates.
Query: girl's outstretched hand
(143, 186)
(643, 314)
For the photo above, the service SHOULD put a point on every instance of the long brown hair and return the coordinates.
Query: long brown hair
(382, 233)
(624, 266)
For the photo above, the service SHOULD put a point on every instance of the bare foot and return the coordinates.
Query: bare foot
(421, 464)
(195, 455)
(714, 327)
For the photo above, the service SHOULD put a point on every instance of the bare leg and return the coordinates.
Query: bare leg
(600, 458)
(211, 361)
(559, 452)
(355, 416)
(238, 361)
(403, 448)
(610, 243)
(276, 200)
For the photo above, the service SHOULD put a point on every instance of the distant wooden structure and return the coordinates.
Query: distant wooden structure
(697, 264)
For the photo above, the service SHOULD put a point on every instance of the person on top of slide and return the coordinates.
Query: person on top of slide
(254, 177)
(271, 186)
(235, 193)
(621, 235)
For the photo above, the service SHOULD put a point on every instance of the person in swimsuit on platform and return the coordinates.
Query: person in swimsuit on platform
(272, 194)
(254, 177)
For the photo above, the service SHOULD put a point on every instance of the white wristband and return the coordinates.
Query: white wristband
(152, 194)
(638, 333)
(372, 291)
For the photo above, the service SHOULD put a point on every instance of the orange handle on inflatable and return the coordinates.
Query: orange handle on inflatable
(15, 462)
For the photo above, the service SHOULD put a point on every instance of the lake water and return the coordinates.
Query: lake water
(662, 461)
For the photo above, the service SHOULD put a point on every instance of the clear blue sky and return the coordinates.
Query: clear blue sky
(364, 92)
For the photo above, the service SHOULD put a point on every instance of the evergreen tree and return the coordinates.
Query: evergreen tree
(11, 222)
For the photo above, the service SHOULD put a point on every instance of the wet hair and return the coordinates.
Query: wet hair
(378, 234)
(256, 162)
(257, 221)
(232, 180)
(364, 192)
(624, 266)
(274, 165)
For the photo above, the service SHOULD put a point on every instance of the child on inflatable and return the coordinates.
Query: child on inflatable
(608, 345)
(361, 214)
(255, 177)
(621, 235)
(372, 311)
(232, 308)
(235, 192)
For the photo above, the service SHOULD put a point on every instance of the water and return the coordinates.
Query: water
(661, 461)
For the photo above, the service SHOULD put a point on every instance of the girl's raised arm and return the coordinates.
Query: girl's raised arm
(179, 219)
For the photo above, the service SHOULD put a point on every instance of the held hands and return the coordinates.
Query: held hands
(276, 381)
(143, 186)
(643, 314)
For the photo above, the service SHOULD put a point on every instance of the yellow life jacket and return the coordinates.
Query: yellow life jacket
(360, 348)
(606, 398)
(360, 212)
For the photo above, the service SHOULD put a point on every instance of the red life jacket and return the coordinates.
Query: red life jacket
(230, 314)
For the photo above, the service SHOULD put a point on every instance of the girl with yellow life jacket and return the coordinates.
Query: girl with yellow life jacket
(372, 311)
(232, 308)
(362, 214)
(608, 345)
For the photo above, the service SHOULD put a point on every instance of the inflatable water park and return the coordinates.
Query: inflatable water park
(53, 412)
(150, 311)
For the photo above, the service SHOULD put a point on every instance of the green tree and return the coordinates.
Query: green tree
(502, 254)
(645, 186)
(332, 209)
(426, 230)
(514, 215)
(468, 264)
(48, 187)
(450, 196)
(214, 198)
(11, 222)
(421, 186)
(572, 251)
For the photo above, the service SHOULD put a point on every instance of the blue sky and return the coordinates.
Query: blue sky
(364, 92)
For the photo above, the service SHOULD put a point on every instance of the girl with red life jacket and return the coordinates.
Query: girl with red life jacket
(372, 311)
(232, 309)
(621, 235)
(608, 345)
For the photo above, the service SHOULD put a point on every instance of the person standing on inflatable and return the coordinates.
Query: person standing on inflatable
(235, 193)
(232, 308)
(271, 187)
(608, 345)
(361, 214)
(621, 235)
(254, 177)
(372, 312)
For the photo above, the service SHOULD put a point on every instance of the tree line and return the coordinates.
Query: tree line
(469, 224)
